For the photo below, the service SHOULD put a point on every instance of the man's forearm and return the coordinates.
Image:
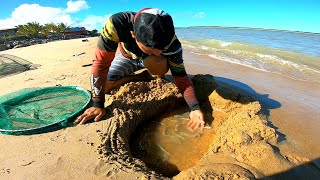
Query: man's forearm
(185, 86)
(100, 68)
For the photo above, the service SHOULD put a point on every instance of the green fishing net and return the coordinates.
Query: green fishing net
(35, 110)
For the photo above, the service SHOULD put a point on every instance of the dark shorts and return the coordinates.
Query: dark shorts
(122, 66)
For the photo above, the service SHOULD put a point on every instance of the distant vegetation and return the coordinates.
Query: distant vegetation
(34, 33)
(35, 30)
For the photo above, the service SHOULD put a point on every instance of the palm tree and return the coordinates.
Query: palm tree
(93, 32)
(22, 30)
(32, 29)
(61, 28)
(49, 28)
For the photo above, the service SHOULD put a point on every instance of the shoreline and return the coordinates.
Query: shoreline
(293, 105)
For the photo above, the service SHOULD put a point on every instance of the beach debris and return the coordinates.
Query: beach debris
(5, 170)
(28, 163)
(85, 40)
(79, 54)
(85, 65)
(29, 79)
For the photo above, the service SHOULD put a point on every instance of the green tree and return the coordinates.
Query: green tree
(22, 30)
(50, 28)
(61, 28)
(94, 32)
(32, 29)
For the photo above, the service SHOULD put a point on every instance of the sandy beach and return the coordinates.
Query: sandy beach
(293, 105)
(292, 109)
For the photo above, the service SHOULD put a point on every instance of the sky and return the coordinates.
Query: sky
(294, 15)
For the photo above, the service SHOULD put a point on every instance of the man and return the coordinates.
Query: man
(132, 41)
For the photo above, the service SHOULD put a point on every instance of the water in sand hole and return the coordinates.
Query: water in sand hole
(167, 146)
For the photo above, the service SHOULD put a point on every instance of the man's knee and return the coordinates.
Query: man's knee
(156, 65)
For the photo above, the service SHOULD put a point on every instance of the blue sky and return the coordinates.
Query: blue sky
(296, 15)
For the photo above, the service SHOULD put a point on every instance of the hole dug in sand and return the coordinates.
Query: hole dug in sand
(167, 146)
(145, 135)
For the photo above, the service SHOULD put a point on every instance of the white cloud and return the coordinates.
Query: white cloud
(199, 15)
(76, 6)
(93, 22)
(36, 13)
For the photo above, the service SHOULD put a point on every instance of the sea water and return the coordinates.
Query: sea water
(292, 54)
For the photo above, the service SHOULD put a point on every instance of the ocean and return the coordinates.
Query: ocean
(292, 54)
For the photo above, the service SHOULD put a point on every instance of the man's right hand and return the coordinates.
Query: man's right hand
(90, 113)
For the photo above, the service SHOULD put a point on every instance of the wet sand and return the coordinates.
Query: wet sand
(293, 105)
(168, 146)
(71, 153)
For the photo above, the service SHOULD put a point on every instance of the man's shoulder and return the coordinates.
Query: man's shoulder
(173, 48)
(122, 17)
(118, 26)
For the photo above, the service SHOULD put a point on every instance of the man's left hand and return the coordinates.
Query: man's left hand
(196, 120)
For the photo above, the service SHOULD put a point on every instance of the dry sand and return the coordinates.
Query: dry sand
(247, 146)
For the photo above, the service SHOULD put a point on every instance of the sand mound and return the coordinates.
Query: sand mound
(243, 143)
(130, 105)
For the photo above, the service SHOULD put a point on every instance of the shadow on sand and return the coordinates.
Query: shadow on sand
(266, 103)
(309, 170)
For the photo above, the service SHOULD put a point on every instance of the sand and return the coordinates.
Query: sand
(279, 126)
(293, 105)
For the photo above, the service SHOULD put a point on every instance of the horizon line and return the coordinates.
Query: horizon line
(235, 27)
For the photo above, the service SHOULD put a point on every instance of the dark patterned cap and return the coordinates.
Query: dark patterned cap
(153, 28)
